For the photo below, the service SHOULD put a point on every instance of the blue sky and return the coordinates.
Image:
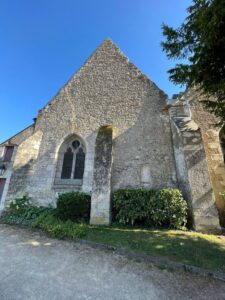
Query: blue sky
(44, 42)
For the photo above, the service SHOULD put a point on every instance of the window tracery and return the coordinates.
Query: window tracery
(73, 161)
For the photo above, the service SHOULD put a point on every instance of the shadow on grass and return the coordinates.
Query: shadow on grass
(201, 250)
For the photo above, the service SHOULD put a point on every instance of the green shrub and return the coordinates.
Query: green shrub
(21, 212)
(19, 205)
(129, 205)
(11, 219)
(165, 208)
(74, 206)
(223, 195)
(57, 228)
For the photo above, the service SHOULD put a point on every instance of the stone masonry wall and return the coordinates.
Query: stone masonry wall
(24, 167)
(16, 140)
(194, 177)
(210, 137)
(107, 90)
(192, 166)
(20, 136)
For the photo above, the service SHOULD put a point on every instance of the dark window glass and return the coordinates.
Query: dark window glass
(222, 142)
(79, 165)
(67, 164)
(75, 144)
(8, 153)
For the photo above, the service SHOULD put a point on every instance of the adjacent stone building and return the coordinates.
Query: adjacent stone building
(111, 127)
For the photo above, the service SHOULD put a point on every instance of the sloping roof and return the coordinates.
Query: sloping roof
(16, 135)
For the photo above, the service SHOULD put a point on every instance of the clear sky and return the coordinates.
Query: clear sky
(44, 42)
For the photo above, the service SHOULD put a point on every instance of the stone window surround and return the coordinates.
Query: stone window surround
(65, 145)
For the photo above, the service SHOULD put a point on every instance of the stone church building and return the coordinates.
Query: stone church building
(111, 127)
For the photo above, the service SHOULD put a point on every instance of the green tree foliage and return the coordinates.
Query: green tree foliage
(200, 42)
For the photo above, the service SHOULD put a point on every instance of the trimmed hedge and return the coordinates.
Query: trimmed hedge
(74, 206)
(156, 208)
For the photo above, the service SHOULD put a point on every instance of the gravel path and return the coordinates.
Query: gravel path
(35, 267)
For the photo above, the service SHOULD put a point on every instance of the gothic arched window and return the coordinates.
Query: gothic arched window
(73, 161)
(79, 164)
(67, 164)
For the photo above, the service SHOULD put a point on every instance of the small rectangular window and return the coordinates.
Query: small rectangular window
(8, 153)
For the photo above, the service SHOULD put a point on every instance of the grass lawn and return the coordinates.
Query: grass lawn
(197, 249)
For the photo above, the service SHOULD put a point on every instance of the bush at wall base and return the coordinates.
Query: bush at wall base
(74, 206)
(155, 208)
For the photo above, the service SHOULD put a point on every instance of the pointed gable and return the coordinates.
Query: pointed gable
(104, 69)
